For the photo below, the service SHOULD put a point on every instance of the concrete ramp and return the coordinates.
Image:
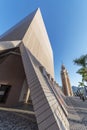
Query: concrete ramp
(48, 111)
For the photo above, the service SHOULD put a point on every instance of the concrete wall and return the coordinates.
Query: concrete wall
(12, 73)
(4, 45)
(25, 92)
(37, 42)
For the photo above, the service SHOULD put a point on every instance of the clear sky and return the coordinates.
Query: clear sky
(66, 24)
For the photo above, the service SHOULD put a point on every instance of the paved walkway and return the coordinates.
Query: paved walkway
(16, 119)
(77, 113)
(12, 119)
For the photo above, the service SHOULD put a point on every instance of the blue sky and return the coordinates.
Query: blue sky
(66, 24)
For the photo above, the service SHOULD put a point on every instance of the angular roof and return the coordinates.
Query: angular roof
(32, 33)
(17, 32)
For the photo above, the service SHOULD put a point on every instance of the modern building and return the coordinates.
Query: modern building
(27, 70)
(67, 89)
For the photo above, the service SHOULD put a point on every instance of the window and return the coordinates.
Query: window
(4, 91)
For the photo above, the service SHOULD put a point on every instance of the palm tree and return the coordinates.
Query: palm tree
(83, 71)
(81, 84)
(82, 61)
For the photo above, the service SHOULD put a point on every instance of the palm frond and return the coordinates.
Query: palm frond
(82, 61)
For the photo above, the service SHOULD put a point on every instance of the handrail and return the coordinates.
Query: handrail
(56, 95)
(53, 89)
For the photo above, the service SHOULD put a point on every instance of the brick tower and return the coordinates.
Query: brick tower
(66, 82)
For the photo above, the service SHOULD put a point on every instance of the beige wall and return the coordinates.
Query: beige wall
(12, 73)
(37, 41)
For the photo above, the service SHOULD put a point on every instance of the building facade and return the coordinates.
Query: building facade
(27, 70)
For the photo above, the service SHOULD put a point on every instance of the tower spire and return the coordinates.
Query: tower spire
(67, 89)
